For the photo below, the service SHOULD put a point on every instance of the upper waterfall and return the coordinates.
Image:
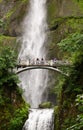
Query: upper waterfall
(34, 31)
(34, 82)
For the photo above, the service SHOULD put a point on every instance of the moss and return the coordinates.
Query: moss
(66, 26)
(11, 12)
(24, 1)
(56, 118)
(1, 23)
(51, 10)
(8, 15)
(79, 3)
(60, 20)
(76, 24)
(7, 41)
(15, 14)
(0, 1)
(45, 105)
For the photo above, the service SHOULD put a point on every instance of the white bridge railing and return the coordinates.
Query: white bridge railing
(42, 62)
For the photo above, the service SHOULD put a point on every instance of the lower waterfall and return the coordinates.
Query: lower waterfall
(40, 119)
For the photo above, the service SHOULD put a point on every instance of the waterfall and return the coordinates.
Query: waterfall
(34, 82)
(40, 120)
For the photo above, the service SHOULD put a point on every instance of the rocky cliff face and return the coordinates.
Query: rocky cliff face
(64, 8)
(13, 12)
(11, 15)
(64, 17)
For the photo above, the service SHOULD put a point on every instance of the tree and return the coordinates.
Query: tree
(78, 124)
(72, 46)
(69, 115)
(8, 79)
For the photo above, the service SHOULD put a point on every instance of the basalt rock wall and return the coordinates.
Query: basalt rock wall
(12, 13)
(64, 17)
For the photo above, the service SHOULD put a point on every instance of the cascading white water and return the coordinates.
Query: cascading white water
(40, 120)
(34, 82)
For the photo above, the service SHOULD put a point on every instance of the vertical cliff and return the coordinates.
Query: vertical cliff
(64, 17)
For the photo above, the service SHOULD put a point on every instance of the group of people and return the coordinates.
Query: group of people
(37, 61)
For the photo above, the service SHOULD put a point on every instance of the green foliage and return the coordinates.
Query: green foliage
(8, 79)
(75, 23)
(7, 41)
(78, 123)
(0, 1)
(24, 1)
(12, 117)
(58, 88)
(72, 44)
(72, 48)
(66, 26)
(1, 23)
(1, 98)
(7, 63)
(20, 116)
(7, 58)
(13, 110)
(56, 118)
(79, 3)
(8, 15)
(79, 102)
(51, 10)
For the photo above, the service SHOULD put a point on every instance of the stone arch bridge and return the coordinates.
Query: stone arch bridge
(53, 66)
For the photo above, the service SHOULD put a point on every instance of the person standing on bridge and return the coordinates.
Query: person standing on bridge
(37, 61)
(54, 60)
(51, 62)
(42, 61)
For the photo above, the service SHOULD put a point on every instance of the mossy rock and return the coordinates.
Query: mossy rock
(66, 26)
(9, 41)
(12, 14)
(45, 105)
(79, 3)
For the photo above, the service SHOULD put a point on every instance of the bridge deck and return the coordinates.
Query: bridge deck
(40, 65)
(51, 65)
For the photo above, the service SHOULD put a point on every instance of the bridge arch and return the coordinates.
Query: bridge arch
(40, 67)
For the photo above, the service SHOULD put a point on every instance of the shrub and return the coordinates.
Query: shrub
(45, 105)
(20, 116)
